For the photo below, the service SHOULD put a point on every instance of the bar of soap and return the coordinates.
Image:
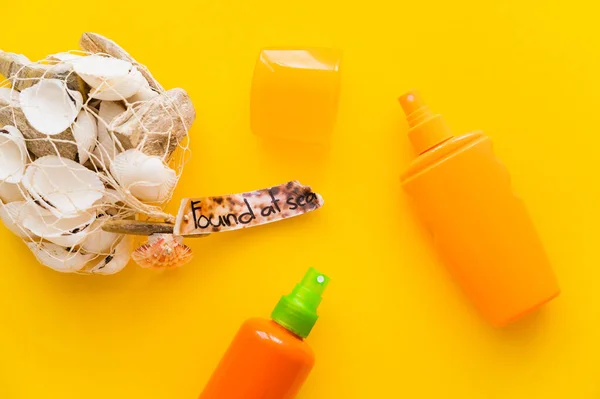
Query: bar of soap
(295, 94)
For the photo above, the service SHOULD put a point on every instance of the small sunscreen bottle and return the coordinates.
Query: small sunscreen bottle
(269, 359)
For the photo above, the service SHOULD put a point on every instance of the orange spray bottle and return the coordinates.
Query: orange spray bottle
(269, 359)
(483, 231)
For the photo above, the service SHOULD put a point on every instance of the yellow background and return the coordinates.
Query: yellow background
(392, 325)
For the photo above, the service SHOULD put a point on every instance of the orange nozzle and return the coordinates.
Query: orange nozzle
(426, 129)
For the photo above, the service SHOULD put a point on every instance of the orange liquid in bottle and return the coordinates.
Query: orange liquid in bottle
(269, 359)
(264, 361)
(483, 231)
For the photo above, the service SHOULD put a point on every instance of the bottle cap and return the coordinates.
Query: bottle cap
(297, 312)
(426, 129)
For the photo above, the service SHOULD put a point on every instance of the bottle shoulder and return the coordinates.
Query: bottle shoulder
(444, 151)
(269, 333)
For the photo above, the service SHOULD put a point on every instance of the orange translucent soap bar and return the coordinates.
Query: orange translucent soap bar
(295, 94)
(483, 231)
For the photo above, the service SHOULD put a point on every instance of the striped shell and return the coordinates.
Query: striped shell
(163, 251)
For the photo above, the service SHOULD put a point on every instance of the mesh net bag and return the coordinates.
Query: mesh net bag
(87, 137)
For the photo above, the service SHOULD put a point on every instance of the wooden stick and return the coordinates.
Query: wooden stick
(141, 228)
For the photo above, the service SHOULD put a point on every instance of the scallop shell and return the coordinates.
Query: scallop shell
(64, 260)
(163, 251)
(64, 231)
(85, 132)
(12, 216)
(117, 259)
(62, 186)
(50, 107)
(146, 177)
(111, 79)
(13, 155)
(10, 192)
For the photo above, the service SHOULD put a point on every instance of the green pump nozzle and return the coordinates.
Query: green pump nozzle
(297, 312)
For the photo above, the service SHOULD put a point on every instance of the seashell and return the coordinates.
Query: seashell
(50, 108)
(13, 155)
(64, 57)
(144, 94)
(111, 79)
(99, 241)
(64, 260)
(62, 186)
(116, 260)
(10, 192)
(158, 125)
(64, 231)
(95, 43)
(107, 149)
(38, 143)
(85, 132)
(146, 177)
(9, 95)
(12, 215)
(23, 73)
(163, 251)
(120, 89)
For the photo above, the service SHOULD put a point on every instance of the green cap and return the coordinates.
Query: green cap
(297, 311)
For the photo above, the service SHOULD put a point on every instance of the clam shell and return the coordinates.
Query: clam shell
(95, 43)
(10, 192)
(9, 95)
(107, 149)
(59, 258)
(144, 94)
(85, 132)
(49, 107)
(13, 154)
(99, 241)
(146, 177)
(111, 79)
(64, 57)
(163, 251)
(64, 231)
(12, 215)
(62, 186)
(116, 260)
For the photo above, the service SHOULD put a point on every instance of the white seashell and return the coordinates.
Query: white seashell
(65, 231)
(118, 258)
(85, 132)
(144, 94)
(12, 215)
(107, 149)
(13, 154)
(64, 57)
(111, 79)
(50, 107)
(146, 177)
(120, 89)
(10, 192)
(62, 186)
(9, 95)
(59, 258)
(96, 69)
(99, 241)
